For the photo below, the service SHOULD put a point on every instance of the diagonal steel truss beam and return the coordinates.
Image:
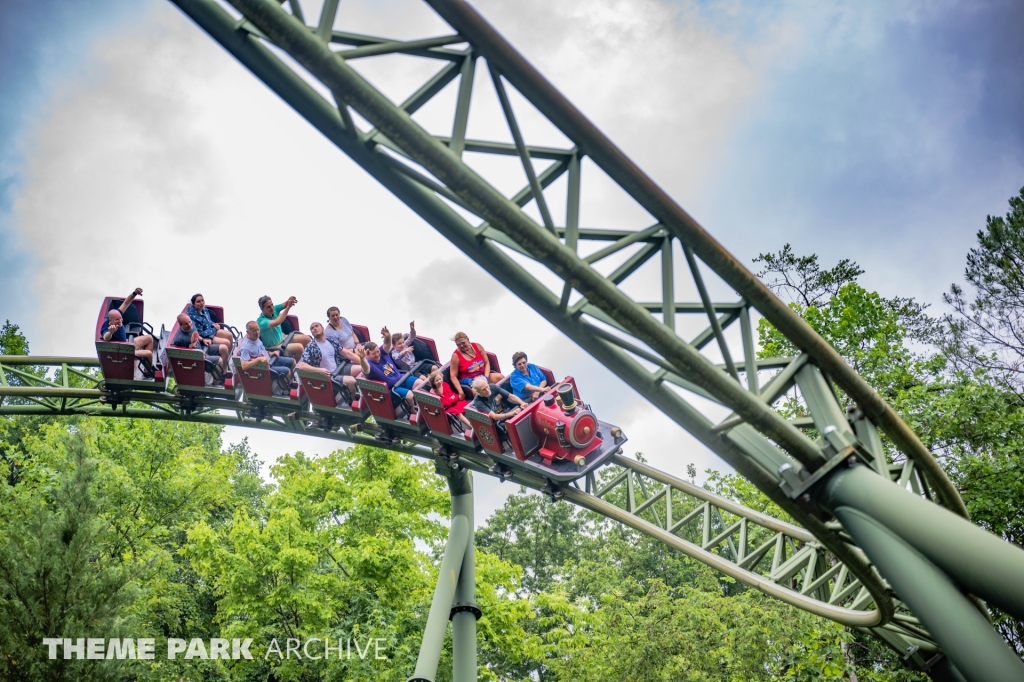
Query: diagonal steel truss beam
(790, 457)
(754, 548)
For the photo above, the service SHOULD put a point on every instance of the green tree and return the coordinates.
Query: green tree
(97, 516)
(987, 332)
(60, 575)
(338, 551)
(12, 341)
(969, 415)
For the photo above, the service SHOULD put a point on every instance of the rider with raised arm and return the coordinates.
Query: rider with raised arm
(399, 346)
(380, 367)
(113, 330)
(270, 320)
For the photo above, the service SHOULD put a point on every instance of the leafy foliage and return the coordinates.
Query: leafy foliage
(802, 278)
(12, 341)
(987, 333)
(968, 413)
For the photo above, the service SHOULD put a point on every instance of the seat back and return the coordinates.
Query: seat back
(216, 313)
(425, 348)
(317, 387)
(486, 431)
(362, 332)
(290, 324)
(495, 367)
(432, 413)
(187, 365)
(117, 360)
(377, 397)
(256, 382)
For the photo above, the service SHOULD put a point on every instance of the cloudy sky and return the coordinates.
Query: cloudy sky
(134, 151)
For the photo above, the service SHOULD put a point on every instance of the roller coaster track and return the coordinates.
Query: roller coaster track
(754, 548)
(823, 464)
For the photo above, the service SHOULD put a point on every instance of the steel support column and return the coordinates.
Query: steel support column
(948, 541)
(464, 611)
(977, 651)
(455, 594)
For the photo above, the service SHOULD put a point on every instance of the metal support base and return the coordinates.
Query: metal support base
(455, 594)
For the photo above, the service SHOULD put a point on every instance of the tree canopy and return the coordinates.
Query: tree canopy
(122, 528)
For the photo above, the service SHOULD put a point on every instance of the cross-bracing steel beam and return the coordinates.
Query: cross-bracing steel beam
(430, 175)
(753, 548)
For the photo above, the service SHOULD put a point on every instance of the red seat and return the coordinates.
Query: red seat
(259, 386)
(378, 399)
(256, 382)
(188, 365)
(486, 431)
(431, 413)
(117, 359)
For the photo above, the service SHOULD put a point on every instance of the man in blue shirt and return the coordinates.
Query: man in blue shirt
(528, 382)
(380, 367)
(113, 330)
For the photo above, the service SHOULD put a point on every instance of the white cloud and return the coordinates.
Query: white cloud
(163, 163)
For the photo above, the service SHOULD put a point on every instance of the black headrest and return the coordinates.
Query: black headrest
(130, 314)
(359, 336)
(214, 316)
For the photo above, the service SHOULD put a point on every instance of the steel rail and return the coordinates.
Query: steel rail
(636, 506)
(743, 448)
(592, 142)
(293, 37)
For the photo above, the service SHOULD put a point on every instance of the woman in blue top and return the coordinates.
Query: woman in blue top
(204, 324)
(528, 382)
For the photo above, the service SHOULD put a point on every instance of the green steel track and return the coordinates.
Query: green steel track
(758, 550)
(861, 540)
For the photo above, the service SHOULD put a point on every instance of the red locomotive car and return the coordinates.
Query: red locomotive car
(557, 436)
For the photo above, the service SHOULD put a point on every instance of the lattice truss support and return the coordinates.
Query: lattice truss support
(629, 294)
(754, 548)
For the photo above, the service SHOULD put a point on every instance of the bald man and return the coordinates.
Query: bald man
(113, 330)
(188, 337)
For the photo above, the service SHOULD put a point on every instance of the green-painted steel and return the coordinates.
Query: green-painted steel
(977, 651)
(640, 341)
(441, 605)
(948, 541)
(743, 447)
(465, 609)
